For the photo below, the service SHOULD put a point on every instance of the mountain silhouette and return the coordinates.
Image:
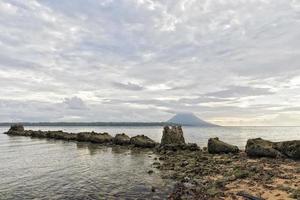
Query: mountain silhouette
(189, 119)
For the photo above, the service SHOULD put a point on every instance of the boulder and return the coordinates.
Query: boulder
(121, 139)
(142, 141)
(216, 146)
(262, 148)
(94, 137)
(290, 149)
(16, 129)
(38, 134)
(59, 135)
(173, 135)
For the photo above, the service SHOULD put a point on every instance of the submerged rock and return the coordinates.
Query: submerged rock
(121, 139)
(216, 146)
(173, 135)
(94, 137)
(142, 141)
(262, 148)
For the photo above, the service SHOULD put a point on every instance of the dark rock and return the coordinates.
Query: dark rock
(16, 129)
(142, 141)
(121, 139)
(262, 148)
(192, 147)
(289, 148)
(153, 189)
(215, 146)
(94, 137)
(38, 134)
(61, 135)
(173, 135)
(150, 171)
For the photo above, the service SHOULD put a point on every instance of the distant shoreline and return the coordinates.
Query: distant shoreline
(89, 123)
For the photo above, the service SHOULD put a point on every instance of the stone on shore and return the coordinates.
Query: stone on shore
(216, 146)
(142, 141)
(290, 149)
(94, 137)
(173, 135)
(262, 148)
(121, 139)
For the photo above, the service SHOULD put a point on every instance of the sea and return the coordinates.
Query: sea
(32, 168)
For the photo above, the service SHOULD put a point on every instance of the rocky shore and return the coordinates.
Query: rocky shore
(265, 170)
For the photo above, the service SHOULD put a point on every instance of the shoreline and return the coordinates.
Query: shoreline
(221, 171)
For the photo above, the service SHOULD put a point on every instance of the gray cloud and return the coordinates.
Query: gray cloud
(128, 86)
(146, 60)
(241, 91)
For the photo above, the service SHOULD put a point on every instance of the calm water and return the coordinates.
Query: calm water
(50, 169)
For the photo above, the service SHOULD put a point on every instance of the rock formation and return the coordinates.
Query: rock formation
(263, 148)
(290, 149)
(121, 139)
(173, 140)
(173, 135)
(215, 146)
(94, 137)
(142, 141)
(16, 128)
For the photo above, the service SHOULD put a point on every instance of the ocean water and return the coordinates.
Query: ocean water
(32, 168)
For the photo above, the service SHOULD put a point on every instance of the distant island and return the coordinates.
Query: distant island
(189, 119)
(183, 119)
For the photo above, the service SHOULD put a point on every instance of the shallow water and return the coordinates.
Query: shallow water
(52, 169)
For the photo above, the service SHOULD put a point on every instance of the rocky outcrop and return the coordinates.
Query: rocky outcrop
(173, 135)
(173, 140)
(142, 141)
(15, 129)
(262, 148)
(121, 139)
(290, 149)
(94, 137)
(216, 146)
(61, 135)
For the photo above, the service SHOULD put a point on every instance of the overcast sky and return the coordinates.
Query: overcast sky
(231, 62)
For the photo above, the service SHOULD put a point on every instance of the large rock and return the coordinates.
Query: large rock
(290, 149)
(215, 146)
(121, 139)
(173, 135)
(94, 137)
(262, 148)
(142, 141)
(59, 135)
(16, 129)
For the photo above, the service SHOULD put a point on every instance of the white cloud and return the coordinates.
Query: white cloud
(147, 59)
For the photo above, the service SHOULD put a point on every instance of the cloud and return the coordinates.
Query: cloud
(241, 91)
(145, 60)
(128, 86)
(74, 103)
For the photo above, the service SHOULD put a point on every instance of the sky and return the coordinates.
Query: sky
(230, 62)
